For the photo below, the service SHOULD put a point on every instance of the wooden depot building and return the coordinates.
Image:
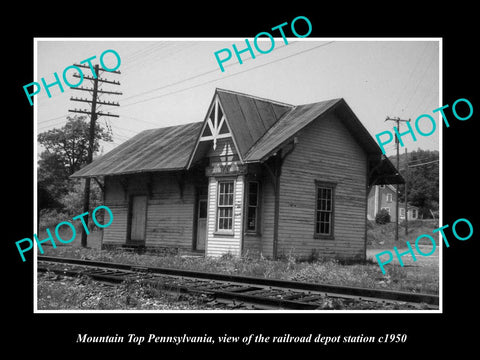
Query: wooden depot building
(256, 176)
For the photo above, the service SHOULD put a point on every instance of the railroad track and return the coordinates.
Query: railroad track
(244, 291)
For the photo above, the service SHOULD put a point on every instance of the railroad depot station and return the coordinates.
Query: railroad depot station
(256, 176)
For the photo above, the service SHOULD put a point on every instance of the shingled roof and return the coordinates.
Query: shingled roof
(259, 127)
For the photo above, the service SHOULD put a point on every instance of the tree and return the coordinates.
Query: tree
(70, 142)
(52, 181)
(422, 181)
(66, 151)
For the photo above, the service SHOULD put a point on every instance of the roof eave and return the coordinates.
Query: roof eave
(143, 171)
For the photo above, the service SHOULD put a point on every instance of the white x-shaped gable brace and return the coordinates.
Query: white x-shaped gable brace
(216, 125)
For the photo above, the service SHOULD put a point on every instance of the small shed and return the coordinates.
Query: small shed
(256, 176)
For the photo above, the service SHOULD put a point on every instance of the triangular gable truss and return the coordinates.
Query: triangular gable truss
(215, 127)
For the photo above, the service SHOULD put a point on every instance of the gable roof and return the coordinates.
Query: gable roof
(249, 116)
(258, 126)
(295, 120)
(163, 149)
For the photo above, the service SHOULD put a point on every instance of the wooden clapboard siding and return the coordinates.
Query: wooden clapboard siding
(325, 151)
(219, 244)
(169, 215)
(170, 212)
(116, 233)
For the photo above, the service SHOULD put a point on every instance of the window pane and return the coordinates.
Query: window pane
(252, 218)
(326, 229)
(252, 199)
(225, 218)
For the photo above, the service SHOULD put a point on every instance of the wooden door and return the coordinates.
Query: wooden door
(201, 224)
(138, 218)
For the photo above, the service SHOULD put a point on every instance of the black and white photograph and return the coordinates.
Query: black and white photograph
(253, 184)
(253, 189)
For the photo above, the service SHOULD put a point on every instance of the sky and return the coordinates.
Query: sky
(172, 81)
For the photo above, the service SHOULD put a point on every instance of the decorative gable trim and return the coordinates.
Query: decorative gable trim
(215, 126)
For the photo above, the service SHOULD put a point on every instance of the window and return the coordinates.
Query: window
(324, 210)
(402, 212)
(389, 197)
(225, 205)
(252, 206)
(414, 213)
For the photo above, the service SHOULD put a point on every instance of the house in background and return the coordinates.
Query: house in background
(255, 175)
(384, 197)
(412, 211)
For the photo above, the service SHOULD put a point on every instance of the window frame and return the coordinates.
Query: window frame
(389, 198)
(414, 214)
(332, 186)
(218, 207)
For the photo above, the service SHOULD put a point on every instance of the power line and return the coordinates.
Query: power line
(227, 76)
(187, 79)
(140, 53)
(401, 92)
(422, 160)
(150, 58)
(430, 162)
(56, 118)
(420, 80)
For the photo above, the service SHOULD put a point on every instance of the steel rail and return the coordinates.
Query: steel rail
(348, 291)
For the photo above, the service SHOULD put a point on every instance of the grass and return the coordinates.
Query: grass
(420, 277)
(366, 274)
(383, 236)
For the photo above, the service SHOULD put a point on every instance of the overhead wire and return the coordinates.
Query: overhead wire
(407, 81)
(420, 80)
(227, 76)
(188, 79)
(155, 47)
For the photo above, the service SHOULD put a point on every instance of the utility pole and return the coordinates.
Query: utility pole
(94, 114)
(397, 120)
(406, 197)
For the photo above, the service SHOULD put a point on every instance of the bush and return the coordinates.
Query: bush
(382, 217)
(49, 218)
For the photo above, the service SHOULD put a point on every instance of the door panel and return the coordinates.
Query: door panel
(201, 224)
(138, 218)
